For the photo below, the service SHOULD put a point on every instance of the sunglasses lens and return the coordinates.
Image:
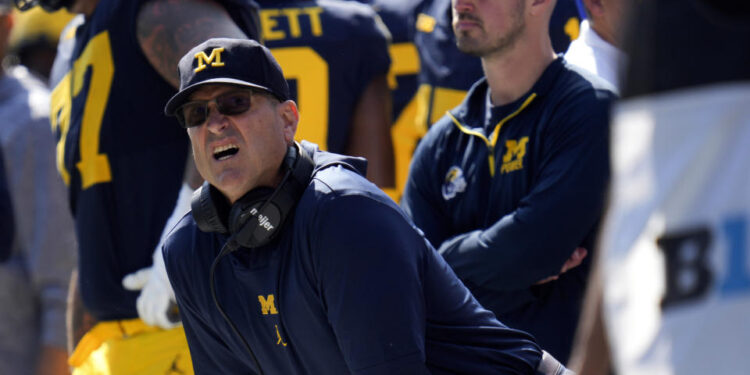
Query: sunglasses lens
(233, 103)
(193, 114)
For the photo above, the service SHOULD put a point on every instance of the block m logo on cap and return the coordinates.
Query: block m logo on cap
(209, 60)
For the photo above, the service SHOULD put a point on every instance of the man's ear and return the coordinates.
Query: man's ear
(290, 119)
(594, 7)
(539, 6)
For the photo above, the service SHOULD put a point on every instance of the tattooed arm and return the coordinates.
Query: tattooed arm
(167, 29)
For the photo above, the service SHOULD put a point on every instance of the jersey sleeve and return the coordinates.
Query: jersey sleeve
(372, 39)
(565, 204)
(370, 275)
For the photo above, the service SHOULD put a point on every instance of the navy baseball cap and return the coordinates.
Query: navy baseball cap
(240, 62)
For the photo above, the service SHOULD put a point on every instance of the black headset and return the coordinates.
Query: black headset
(253, 220)
(257, 217)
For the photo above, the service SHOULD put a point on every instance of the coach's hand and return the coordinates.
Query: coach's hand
(156, 304)
(574, 261)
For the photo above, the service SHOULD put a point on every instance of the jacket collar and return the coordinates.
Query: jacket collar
(473, 110)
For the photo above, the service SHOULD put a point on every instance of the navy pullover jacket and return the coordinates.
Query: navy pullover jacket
(507, 193)
(349, 286)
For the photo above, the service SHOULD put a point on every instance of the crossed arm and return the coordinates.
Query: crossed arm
(540, 237)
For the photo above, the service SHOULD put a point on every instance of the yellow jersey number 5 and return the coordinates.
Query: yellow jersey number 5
(93, 166)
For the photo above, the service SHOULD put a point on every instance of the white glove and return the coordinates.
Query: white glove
(157, 297)
(157, 304)
(549, 365)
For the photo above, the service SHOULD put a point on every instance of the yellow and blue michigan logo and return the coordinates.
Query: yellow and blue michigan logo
(204, 61)
(454, 182)
(513, 158)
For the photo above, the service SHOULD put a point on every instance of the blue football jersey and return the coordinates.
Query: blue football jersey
(121, 157)
(330, 51)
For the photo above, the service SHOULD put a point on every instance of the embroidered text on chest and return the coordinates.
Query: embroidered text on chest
(268, 307)
(513, 158)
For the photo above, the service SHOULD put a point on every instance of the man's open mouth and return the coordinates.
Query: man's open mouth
(225, 152)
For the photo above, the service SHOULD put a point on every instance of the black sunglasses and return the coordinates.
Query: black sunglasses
(195, 113)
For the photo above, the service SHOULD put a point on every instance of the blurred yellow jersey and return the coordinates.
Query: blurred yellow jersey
(36, 24)
(129, 347)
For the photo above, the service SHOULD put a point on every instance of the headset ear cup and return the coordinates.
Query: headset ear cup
(250, 227)
(256, 218)
(208, 209)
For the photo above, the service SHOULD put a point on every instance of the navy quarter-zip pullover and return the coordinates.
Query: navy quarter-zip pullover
(507, 193)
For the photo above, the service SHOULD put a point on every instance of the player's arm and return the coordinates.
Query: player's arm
(591, 354)
(78, 321)
(371, 132)
(534, 241)
(166, 30)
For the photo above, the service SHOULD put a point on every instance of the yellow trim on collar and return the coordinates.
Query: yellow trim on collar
(495, 133)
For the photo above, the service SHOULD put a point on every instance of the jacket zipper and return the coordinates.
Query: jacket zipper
(491, 144)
